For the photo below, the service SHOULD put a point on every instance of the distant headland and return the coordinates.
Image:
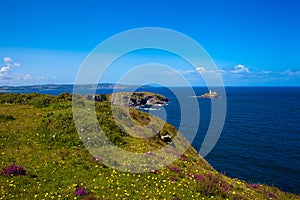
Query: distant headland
(134, 100)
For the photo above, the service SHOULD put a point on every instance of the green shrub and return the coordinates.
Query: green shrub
(58, 129)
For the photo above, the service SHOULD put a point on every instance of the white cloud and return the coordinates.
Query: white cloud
(6, 68)
(7, 59)
(7, 71)
(23, 77)
(240, 69)
(236, 75)
(184, 72)
(204, 70)
(192, 73)
(290, 72)
(222, 71)
(172, 72)
(266, 72)
(17, 64)
(40, 78)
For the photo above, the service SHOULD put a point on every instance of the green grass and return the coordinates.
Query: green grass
(37, 132)
(5, 117)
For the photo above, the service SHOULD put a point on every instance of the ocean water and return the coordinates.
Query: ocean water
(260, 141)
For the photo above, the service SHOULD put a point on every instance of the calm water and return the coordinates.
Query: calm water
(260, 141)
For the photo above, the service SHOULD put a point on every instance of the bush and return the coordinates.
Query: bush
(58, 129)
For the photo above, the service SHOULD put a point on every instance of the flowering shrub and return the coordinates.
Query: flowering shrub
(13, 170)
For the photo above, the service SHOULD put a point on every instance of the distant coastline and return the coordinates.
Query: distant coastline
(106, 86)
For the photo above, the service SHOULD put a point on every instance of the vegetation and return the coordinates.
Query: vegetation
(43, 157)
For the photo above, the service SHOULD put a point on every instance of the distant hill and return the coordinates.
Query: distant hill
(66, 87)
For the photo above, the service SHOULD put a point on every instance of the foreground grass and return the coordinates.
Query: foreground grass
(37, 133)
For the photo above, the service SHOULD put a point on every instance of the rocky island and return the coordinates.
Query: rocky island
(208, 95)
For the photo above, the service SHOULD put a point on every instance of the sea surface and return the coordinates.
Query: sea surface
(260, 141)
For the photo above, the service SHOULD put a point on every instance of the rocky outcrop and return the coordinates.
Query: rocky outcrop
(138, 99)
(166, 138)
(98, 97)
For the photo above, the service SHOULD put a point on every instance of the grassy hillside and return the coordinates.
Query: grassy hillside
(42, 157)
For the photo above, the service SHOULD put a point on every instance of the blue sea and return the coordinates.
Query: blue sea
(260, 141)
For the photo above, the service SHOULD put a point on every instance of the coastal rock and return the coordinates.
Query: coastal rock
(166, 138)
(138, 99)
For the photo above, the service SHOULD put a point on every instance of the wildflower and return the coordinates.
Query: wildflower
(81, 192)
(198, 177)
(271, 195)
(184, 157)
(175, 169)
(174, 179)
(13, 170)
(255, 186)
(97, 158)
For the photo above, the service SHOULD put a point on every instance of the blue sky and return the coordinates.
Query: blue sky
(252, 42)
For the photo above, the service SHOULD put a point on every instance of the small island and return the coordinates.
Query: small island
(208, 95)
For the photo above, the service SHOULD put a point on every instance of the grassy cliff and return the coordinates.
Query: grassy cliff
(42, 157)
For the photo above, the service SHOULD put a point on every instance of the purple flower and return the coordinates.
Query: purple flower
(271, 195)
(97, 158)
(13, 170)
(174, 179)
(184, 157)
(198, 177)
(175, 169)
(255, 186)
(81, 192)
